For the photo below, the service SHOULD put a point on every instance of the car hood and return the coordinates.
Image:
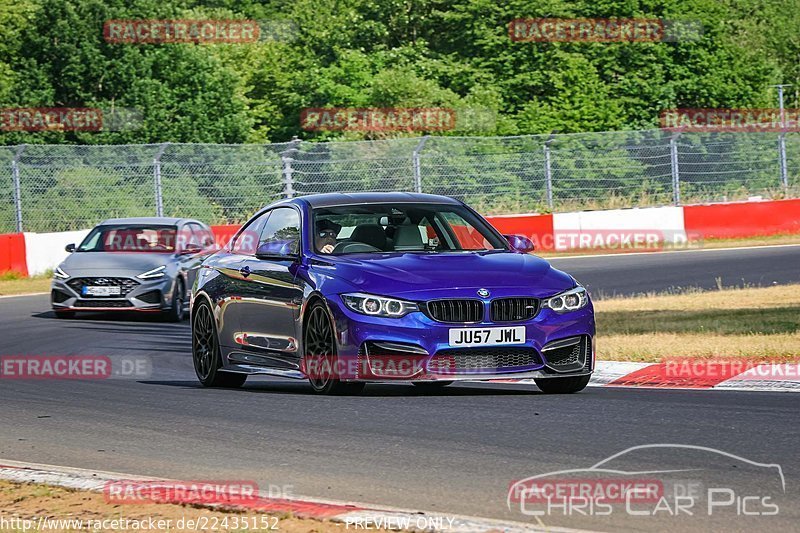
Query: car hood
(451, 274)
(132, 263)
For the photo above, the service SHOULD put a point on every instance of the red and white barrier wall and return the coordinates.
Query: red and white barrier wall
(46, 250)
(636, 229)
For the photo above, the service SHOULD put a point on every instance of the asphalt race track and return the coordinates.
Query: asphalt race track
(455, 451)
(625, 274)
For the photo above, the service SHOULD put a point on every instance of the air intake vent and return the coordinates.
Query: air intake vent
(514, 309)
(102, 303)
(495, 359)
(568, 355)
(461, 311)
(59, 296)
(151, 297)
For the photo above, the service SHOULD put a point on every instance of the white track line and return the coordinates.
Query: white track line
(22, 295)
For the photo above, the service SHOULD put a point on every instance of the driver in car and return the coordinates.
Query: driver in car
(325, 235)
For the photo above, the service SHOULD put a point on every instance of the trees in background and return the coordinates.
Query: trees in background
(382, 53)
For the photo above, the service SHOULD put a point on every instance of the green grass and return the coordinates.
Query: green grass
(718, 321)
(757, 323)
(12, 283)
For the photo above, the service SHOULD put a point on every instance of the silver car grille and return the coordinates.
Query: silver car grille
(126, 285)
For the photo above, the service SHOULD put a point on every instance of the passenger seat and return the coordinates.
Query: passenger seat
(408, 237)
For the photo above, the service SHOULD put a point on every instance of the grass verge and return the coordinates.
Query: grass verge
(757, 323)
(32, 501)
(12, 283)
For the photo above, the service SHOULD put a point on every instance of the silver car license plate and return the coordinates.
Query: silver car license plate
(91, 290)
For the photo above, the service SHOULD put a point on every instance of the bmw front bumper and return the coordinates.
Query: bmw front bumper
(374, 348)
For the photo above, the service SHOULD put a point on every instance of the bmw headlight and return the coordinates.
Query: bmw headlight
(157, 272)
(571, 300)
(60, 274)
(368, 304)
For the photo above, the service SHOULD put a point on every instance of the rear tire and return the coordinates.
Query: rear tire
(176, 313)
(562, 385)
(206, 354)
(64, 314)
(320, 346)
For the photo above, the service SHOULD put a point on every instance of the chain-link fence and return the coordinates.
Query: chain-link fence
(64, 187)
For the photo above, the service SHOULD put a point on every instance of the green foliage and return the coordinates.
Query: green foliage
(383, 53)
(79, 197)
(362, 53)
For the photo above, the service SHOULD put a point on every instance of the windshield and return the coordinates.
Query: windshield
(130, 238)
(407, 228)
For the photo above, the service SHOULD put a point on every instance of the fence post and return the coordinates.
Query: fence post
(782, 154)
(548, 172)
(288, 158)
(782, 140)
(673, 159)
(157, 180)
(17, 189)
(416, 164)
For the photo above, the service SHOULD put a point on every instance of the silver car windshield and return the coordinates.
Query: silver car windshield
(130, 238)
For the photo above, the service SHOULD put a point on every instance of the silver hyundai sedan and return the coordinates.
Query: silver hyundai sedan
(132, 264)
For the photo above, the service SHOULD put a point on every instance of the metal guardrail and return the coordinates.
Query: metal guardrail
(63, 187)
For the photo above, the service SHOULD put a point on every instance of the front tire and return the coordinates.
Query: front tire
(321, 358)
(562, 385)
(206, 354)
(176, 313)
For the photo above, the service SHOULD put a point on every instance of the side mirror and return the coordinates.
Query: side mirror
(280, 250)
(191, 249)
(70, 247)
(520, 243)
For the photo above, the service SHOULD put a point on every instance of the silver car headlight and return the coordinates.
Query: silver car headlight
(567, 301)
(60, 274)
(368, 304)
(157, 272)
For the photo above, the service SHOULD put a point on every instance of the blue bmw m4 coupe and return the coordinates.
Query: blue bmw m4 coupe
(346, 289)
